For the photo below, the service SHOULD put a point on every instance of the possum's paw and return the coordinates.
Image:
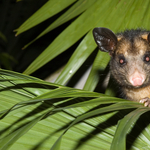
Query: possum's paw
(145, 101)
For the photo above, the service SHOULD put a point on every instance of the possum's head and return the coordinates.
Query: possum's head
(130, 55)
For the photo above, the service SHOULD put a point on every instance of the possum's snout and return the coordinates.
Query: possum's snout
(137, 79)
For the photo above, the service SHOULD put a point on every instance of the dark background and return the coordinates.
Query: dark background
(12, 15)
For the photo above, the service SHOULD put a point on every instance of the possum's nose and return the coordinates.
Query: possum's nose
(137, 79)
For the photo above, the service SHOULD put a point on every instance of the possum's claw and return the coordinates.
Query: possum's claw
(145, 101)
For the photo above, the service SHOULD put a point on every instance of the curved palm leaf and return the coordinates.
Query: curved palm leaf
(35, 114)
(44, 13)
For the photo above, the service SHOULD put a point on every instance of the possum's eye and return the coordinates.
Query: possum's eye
(122, 60)
(147, 58)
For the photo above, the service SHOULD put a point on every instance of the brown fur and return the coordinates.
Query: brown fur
(132, 49)
(130, 60)
(137, 94)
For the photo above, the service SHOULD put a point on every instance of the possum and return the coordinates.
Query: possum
(130, 60)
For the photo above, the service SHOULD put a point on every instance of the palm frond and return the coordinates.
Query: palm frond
(39, 113)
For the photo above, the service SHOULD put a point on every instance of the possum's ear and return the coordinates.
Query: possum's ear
(146, 37)
(105, 39)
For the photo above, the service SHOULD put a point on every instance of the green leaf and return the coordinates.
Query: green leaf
(57, 144)
(115, 107)
(124, 126)
(78, 29)
(77, 59)
(71, 115)
(7, 141)
(100, 63)
(15, 75)
(75, 10)
(70, 35)
(48, 10)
